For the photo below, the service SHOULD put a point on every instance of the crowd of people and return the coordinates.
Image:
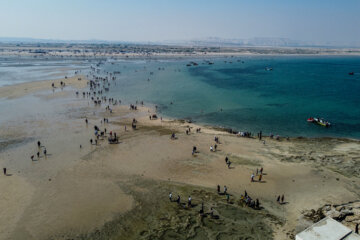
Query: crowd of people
(96, 95)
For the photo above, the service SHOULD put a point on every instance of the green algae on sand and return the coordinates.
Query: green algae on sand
(155, 217)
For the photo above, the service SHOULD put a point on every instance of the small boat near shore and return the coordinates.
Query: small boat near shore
(319, 121)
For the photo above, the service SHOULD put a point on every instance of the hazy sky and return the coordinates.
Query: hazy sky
(157, 20)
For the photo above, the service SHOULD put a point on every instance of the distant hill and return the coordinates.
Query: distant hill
(261, 42)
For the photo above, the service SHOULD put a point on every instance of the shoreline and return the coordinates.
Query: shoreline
(180, 56)
(121, 51)
(107, 181)
(22, 89)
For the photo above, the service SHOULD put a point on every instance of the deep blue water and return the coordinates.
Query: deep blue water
(245, 96)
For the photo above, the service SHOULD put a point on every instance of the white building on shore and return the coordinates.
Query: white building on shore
(327, 229)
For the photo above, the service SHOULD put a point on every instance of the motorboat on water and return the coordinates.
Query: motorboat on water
(319, 121)
(311, 119)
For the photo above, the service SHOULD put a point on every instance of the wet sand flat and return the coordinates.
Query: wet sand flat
(112, 191)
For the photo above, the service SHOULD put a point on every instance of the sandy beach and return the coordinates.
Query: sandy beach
(81, 190)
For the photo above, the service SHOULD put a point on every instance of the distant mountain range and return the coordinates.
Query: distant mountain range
(211, 41)
(262, 42)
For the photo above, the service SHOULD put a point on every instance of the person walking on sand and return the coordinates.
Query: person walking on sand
(261, 170)
(226, 159)
(38, 154)
(228, 163)
(189, 201)
(252, 177)
(194, 149)
(178, 199)
(282, 198)
(257, 204)
(260, 177)
(227, 198)
(278, 199)
(45, 152)
(4, 170)
(218, 188)
(32, 157)
(170, 196)
(202, 208)
(225, 189)
(91, 141)
(39, 144)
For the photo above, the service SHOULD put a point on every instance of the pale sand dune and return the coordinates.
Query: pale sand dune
(75, 191)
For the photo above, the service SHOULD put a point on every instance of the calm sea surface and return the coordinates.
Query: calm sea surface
(240, 92)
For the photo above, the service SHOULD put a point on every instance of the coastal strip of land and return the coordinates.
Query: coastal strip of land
(121, 51)
(83, 187)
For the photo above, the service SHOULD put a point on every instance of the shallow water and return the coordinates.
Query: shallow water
(15, 69)
(242, 95)
(245, 96)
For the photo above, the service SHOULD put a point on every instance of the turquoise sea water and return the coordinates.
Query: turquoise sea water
(243, 95)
